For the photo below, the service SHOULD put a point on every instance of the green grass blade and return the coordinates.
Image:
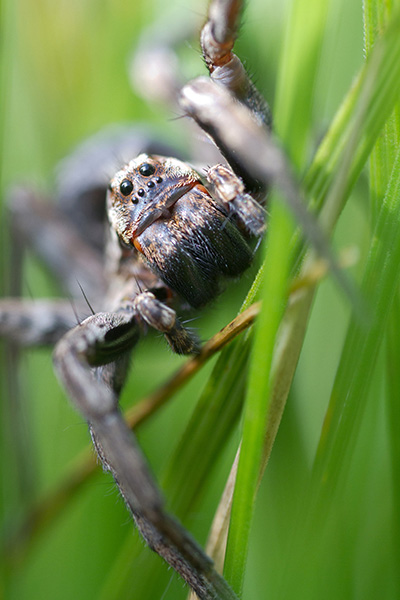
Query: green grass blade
(357, 131)
(376, 16)
(298, 69)
(350, 390)
(274, 297)
(384, 64)
(393, 416)
(295, 87)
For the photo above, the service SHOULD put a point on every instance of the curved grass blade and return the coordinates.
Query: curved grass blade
(376, 16)
(350, 390)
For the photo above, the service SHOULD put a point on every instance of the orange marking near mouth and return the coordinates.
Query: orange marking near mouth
(137, 245)
(201, 188)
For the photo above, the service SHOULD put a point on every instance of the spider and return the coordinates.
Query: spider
(174, 235)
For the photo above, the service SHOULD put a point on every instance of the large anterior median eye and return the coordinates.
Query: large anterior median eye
(146, 169)
(126, 187)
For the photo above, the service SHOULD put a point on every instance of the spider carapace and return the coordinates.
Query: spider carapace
(161, 207)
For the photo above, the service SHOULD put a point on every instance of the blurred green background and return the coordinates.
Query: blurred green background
(64, 76)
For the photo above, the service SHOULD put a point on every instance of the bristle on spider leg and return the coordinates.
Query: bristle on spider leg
(85, 298)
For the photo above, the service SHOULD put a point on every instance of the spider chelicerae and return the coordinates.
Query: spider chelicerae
(175, 234)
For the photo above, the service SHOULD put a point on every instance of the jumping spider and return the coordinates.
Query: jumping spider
(174, 236)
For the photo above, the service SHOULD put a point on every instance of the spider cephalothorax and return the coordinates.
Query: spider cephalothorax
(161, 207)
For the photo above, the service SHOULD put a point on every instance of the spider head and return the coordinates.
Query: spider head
(145, 190)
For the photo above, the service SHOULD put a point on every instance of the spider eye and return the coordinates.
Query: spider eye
(146, 169)
(126, 187)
